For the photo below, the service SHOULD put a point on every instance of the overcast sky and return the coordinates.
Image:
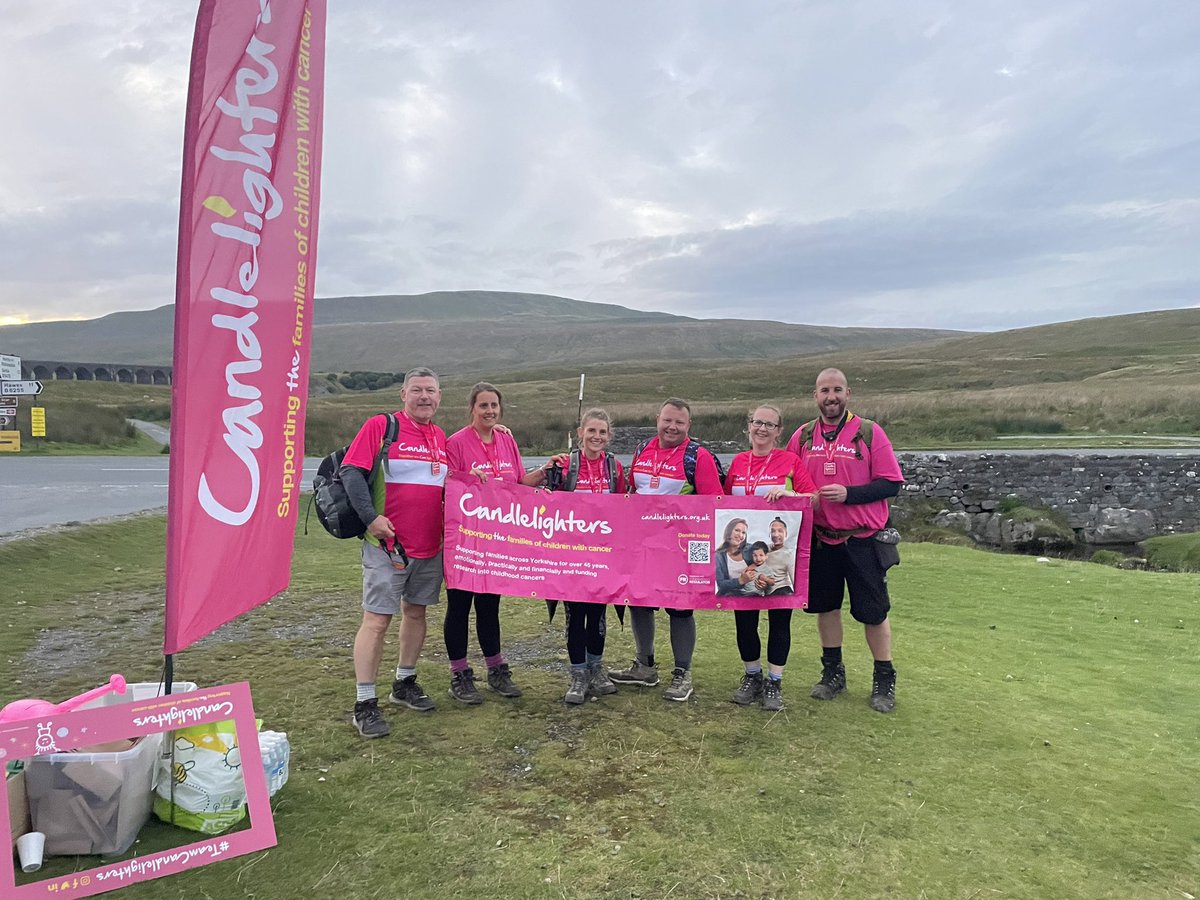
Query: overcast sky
(929, 163)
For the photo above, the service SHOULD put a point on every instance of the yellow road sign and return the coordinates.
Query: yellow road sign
(37, 421)
(10, 441)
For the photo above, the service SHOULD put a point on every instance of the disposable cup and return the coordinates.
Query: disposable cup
(29, 848)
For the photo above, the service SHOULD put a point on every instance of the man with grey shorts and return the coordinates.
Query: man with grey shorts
(402, 549)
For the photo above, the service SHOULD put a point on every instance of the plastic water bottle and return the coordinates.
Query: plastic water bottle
(276, 757)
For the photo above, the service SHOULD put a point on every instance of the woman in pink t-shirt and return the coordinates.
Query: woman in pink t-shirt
(765, 471)
(590, 468)
(487, 452)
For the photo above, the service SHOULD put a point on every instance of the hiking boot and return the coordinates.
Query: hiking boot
(406, 692)
(638, 673)
(577, 692)
(832, 683)
(462, 688)
(681, 685)
(369, 720)
(772, 698)
(749, 690)
(883, 693)
(601, 685)
(500, 681)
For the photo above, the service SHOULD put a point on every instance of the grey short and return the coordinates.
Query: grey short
(384, 586)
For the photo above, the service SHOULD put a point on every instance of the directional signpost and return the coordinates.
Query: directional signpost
(20, 388)
(10, 368)
(12, 387)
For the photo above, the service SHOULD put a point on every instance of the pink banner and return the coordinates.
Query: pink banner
(642, 551)
(55, 735)
(243, 308)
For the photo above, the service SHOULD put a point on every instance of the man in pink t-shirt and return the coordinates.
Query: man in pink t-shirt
(661, 467)
(402, 549)
(855, 475)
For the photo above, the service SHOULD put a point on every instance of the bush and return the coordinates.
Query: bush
(1107, 558)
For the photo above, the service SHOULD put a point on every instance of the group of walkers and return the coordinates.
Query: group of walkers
(844, 463)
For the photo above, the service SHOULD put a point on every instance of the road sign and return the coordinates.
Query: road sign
(10, 441)
(10, 368)
(9, 411)
(37, 421)
(5, 421)
(19, 388)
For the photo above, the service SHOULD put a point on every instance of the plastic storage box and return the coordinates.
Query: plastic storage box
(89, 803)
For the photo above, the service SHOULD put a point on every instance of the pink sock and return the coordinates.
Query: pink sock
(458, 665)
(493, 661)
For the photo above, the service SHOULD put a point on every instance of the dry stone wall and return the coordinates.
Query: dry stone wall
(1105, 498)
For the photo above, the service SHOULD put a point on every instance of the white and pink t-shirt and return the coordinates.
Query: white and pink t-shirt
(837, 462)
(660, 471)
(593, 475)
(758, 475)
(408, 489)
(500, 459)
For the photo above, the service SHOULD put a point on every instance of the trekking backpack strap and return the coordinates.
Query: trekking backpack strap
(689, 462)
(807, 430)
(866, 432)
(611, 461)
(636, 453)
(389, 437)
(572, 477)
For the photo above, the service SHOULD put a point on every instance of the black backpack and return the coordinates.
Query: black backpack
(334, 510)
(556, 480)
(689, 459)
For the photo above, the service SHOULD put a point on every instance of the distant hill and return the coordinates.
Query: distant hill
(470, 333)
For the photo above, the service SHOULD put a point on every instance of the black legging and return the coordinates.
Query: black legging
(779, 635)
(585, 629)
(457, 624)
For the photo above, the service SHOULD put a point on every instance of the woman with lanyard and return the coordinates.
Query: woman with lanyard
(590, 468)
(765, 471)
(487, 452)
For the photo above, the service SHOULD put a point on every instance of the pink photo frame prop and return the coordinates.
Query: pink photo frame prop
(82, 728)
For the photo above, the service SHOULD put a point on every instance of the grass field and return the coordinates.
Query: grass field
(1107, 382)
(1043, 745)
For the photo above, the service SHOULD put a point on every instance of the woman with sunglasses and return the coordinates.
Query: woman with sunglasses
(765, 471)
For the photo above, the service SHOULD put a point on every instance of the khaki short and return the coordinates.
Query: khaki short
(384, 586)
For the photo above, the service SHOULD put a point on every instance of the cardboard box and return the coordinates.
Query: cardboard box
(18, 806)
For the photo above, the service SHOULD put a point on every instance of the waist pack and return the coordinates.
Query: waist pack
(887, 547)
(334, 510)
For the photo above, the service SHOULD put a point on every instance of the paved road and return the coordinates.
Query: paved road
(46, 491)
(42, 491)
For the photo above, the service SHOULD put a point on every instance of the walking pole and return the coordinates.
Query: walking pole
(552, 605)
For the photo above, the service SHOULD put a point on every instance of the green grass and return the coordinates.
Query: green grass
(1175, 552)
(1070, 385)
(1043, 745)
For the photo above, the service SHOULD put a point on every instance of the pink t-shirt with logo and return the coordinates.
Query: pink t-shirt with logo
(409, 492)
(837, 462)
(750, 474)
(660, 471)
(500, 459)
(593, 475)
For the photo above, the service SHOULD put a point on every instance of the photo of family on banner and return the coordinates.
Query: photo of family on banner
(688, 552)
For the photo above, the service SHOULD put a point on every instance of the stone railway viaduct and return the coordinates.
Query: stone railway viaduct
(128, 373)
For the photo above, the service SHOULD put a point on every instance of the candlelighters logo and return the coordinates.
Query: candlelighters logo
(255, 112)
(533, 517)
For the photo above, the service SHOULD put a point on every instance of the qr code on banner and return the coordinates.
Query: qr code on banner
(698, 552)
